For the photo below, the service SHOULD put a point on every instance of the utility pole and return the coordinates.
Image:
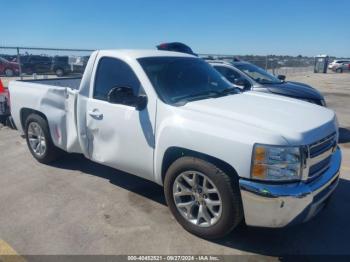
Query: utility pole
(19, 63)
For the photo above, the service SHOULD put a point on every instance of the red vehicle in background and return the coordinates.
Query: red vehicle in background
(8, 68)
(4, 103)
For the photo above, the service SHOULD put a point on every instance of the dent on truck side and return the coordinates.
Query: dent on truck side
(63, 108)
(49, 101)
(83, 95)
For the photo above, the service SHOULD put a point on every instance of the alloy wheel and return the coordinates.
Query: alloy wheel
(197, 198)
(36, 139)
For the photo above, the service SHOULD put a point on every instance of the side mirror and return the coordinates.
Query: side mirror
(281, 77)
(126, 96)
(242, 82)
(141, 102)
(239, 81)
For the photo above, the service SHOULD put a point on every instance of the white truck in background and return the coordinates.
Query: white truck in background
(222, 156)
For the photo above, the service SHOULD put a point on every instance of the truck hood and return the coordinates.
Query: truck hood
(294, 89)
(296, 121)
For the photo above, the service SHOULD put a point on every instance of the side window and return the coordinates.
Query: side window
(46, 59)
(221, 69)
(32, 59)
(111, 73)
(230, 74)
(234, 77)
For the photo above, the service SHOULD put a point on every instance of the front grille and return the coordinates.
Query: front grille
(322, 145)
(320, 154)
(319, 168)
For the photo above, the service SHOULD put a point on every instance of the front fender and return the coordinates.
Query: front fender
(228, 141)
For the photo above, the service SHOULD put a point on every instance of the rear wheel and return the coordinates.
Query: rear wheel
(9, 72)
(39, 140)
(203, 199)
(30, 71)
(59, 72)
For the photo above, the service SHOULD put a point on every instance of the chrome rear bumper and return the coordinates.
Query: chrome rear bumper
(279, 205)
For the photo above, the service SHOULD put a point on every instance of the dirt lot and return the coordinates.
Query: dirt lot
(79, 207)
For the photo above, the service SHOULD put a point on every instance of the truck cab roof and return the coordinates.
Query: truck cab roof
(135, 53)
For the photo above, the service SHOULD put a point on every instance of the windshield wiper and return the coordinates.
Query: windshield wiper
(267, 82)
(228, 91)
(203, 95)
(208, 94)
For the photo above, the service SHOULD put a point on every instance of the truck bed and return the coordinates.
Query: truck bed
(56, 99)
(71, 82)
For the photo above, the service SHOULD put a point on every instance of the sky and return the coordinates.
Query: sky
(239, 27)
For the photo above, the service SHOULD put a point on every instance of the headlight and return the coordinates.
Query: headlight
(276, 163)
(323, 102)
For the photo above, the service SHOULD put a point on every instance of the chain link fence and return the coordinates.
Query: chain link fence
(277, 65)
(41, 63)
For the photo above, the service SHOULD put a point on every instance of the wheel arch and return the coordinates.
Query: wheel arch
(59, 68)
(9, 68)
(174, 153)
(25, 112)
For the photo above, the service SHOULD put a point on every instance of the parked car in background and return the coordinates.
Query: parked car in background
(223, 156)
(60, 65)
(39, 64)
(251, 77)
(79, 64)
(337, 63)
(344, 67)
(8, 68)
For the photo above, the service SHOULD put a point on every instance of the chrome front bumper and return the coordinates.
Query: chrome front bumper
(279, 205)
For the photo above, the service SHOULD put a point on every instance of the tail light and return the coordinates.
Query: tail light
(6, 95)
(2, 88)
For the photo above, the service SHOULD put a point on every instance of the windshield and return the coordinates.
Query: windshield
(184, 79)
(258, 74)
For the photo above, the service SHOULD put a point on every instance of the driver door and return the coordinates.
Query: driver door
(119, 135)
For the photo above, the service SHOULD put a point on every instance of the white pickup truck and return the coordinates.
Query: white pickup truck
(223, 156)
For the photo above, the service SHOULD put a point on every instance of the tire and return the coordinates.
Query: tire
(339, 70)
(30, 71)
(49, 152)
(230, 213)
(9, 72)
(2, 119)
(59, 72)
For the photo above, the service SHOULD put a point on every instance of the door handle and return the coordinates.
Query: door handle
(95, 114)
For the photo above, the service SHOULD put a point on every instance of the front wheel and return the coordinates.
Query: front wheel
(39, 140)
(339, 70)
(204, 200)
